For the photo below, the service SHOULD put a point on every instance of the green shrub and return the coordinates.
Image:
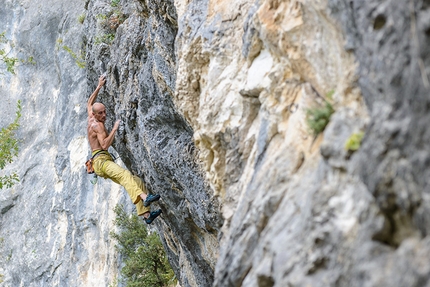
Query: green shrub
(105, 38)
(78, 60)
(81, 18)
(354, 141)
(10, 62)
(101, 17)
(115, 3)
(9, 149)
(146, 263)
(114, 283)
(109, 23)
(318, 118)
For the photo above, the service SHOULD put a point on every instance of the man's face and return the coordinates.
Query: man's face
(100, 114)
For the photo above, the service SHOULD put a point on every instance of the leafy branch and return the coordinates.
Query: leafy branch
(9, 149)
(145, 260)
(11, 62)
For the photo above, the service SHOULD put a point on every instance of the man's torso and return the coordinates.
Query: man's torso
(92, 134)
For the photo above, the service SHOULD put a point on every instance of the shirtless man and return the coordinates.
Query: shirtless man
(104, 166)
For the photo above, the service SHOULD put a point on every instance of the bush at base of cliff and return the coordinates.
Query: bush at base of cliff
(145, 260)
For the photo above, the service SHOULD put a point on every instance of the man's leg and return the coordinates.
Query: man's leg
(147, 198)
(125, 178)
(141, 208)
(134, 187)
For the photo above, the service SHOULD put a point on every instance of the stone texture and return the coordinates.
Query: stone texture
(54, 225)
(155, 141)
(301, 210)
(213, 97)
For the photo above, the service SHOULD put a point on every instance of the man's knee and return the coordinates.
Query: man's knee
(140, 183)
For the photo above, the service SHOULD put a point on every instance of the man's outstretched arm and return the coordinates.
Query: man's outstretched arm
(93, 97)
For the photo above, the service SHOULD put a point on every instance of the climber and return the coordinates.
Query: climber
(103, 163)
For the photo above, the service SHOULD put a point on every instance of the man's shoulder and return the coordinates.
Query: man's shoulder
(92, 123)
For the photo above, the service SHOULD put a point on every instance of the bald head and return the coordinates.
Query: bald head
(99, 112)
(97, 107)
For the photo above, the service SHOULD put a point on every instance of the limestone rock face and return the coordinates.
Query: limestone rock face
(155, 142)
(54, 224)
(213, 98)
(301, 210)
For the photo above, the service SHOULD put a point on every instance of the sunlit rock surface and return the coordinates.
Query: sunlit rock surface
(213, 98)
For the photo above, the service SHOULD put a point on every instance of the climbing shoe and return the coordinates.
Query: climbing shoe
(153, 215)
(151, 198)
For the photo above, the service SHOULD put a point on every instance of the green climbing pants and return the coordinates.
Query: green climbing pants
(104, 166)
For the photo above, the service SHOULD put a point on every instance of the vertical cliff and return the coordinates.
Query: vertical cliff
(54, 225)
(155, 141)
(214, 98)
(298, 209)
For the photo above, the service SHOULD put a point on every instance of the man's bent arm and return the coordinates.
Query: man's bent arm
(106, 142)
(93, 97)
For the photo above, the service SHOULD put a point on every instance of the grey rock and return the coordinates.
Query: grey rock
(249, 198)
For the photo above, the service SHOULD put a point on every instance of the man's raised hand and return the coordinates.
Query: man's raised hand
(102, 80)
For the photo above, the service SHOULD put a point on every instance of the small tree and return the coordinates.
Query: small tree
(146, 263)
(9, 149)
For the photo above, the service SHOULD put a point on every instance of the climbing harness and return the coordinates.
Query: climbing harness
(89, 164)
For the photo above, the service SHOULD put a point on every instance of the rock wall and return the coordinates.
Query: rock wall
(155, 141)
(54, 224)
(213, 98)
(66, 220)
(301, 210)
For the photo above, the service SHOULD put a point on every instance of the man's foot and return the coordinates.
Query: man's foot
(151, 198)
(153, 215)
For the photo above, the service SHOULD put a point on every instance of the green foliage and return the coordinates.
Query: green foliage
(114, 283)
(79, 60)
(101, 17)
(330, 95)
(109, 23)
(9, 149)
(81, 18)
(30, 60)
(115, 3)
(10, 62)
(146, 263)
(354, 141)
(318, 118)
(105, 38)
(9, 256)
